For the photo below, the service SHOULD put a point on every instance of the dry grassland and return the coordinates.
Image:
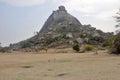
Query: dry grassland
(67, 66)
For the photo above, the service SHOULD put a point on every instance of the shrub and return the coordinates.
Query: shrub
(5, 49)
(111, 41)
(105, 44)
(76, 48)
(115, 49)
(26, 45)
(88, 48)
(108, 42)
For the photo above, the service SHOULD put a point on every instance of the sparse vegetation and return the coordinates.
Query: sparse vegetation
(5, 49)
(88, 47)
(105, 44)
(108, 43)
(116, 44)
(26, 45)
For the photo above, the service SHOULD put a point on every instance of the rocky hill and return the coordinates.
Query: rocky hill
(58, 19)
(61, 28)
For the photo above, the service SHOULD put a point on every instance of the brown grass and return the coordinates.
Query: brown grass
(48, 66)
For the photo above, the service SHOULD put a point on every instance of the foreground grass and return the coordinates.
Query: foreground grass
(86, 66)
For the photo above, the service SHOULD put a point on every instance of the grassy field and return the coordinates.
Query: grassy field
(69, 66)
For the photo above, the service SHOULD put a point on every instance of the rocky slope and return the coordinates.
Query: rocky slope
(61, 28)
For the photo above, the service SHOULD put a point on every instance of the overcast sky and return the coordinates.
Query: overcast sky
(19, 19)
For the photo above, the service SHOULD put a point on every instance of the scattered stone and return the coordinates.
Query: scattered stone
(27, 66)
(62, 74)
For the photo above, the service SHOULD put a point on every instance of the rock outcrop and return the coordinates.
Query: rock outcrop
(61, 28)
(59, 17)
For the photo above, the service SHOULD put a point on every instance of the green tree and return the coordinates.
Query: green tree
(116, 43)
(117, 17)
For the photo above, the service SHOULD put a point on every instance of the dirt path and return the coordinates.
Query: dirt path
(71, 66)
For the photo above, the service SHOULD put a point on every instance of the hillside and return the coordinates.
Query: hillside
(61, 28)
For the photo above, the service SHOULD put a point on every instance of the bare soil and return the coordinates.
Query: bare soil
(59, 66)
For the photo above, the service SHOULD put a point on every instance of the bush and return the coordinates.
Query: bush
(76, 48)
(5, 49)
(105, 44)
(88, 48)
(111, 41)
(115, 49)
(108, 42)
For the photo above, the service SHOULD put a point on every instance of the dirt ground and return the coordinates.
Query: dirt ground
(59, 66)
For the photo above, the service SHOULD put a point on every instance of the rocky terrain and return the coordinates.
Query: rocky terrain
(61, 28)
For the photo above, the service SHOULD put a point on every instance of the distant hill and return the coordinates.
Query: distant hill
(61, 28)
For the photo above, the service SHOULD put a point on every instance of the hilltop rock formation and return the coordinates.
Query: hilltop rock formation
(58, 18)
(61, 28)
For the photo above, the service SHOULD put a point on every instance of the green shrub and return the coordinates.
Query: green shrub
(105, 44)
(115, 49)
(76, 48)
(108, 42)
(5, 49)
(111, 41)
(88, 48)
